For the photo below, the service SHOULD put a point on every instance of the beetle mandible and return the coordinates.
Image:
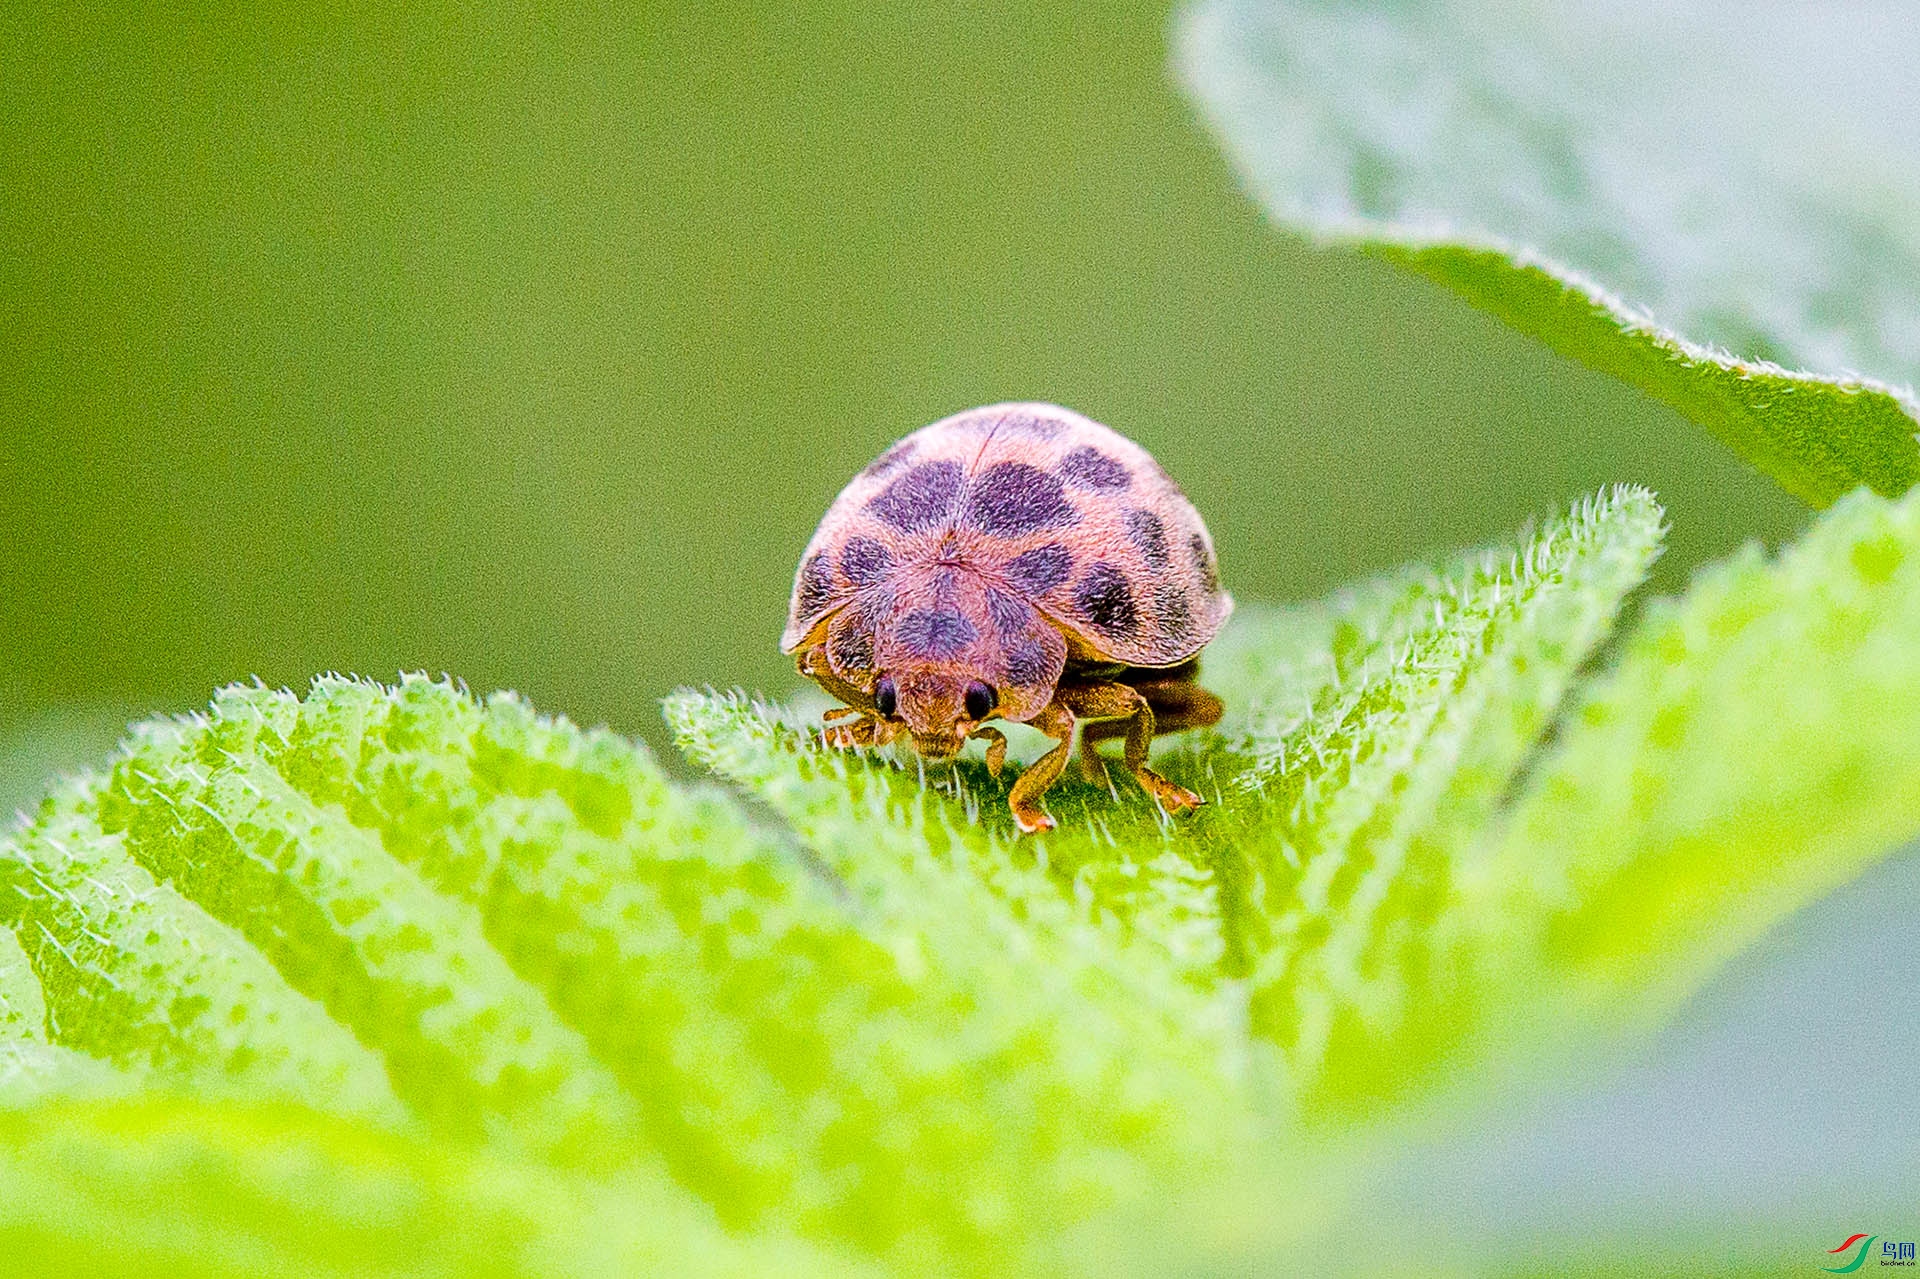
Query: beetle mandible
(1018, 562)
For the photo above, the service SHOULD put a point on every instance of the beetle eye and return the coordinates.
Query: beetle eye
(980, 700)
(885, 699)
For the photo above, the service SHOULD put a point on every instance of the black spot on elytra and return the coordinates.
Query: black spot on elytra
(815, 587)
(864, 561)
(935, 633)
(1040, 570)
(1172, 609)
(1104, 600)
(920, 499)
(1146, 532)
(1010, 498)
(1089, 468)
(852, 647)
(1024, 663)
(1010, 616)
(1203, 561)
(890, 461)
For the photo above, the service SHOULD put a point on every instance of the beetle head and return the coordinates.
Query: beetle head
(940, 705)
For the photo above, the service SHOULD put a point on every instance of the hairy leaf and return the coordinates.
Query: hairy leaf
(1441, 684)
(1644, 187)
(1369, 736)
(1756, 744)
(23, 1012)
(171, 1186)
(546, 947)
(133, 973)
(514, 975)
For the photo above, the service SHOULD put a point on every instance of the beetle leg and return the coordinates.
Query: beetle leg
(1178, 704)
(813, 664)
(843, 737)
(996, 748)
(865, 731)
(873, 729)
(1110, 701)
(1093, 765)
(1056, 721)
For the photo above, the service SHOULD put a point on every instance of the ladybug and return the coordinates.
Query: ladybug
(1016, 562)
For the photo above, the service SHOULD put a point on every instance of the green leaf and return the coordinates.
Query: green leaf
(1073, 1056)
(171, 1186)
(547, 948)
(31, 1069)
(511, 974)
(1644, 189)
(1370, 735)
(1752, 746)
(1439, 687)
(23, 1013)
(1756, 744)
(135, 974)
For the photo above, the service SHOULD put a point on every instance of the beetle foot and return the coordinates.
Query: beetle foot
(842, 737)
(1175, 799)
(996, 749)
(1032, 821)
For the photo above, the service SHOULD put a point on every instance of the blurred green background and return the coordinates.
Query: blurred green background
(531, 348)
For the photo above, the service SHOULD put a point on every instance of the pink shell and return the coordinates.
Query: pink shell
(1001, 538)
